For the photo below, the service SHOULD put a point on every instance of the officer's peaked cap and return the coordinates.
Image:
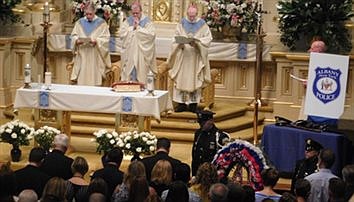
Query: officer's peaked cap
(312, 145)
(205, 115)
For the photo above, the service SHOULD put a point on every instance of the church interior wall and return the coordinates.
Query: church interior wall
(235, 79)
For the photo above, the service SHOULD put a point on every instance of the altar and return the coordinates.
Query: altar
(68, 98)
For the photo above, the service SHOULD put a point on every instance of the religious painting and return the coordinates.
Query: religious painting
(162, 10)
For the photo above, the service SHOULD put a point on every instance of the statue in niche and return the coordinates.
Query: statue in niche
(162, 10)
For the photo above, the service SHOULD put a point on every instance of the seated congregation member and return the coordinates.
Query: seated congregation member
(177, 192)
(141, 191)
(206, 176)
(111, 173)
(336, 190)
(307, 165)
(270, 178)
(27, 195)
(320, 180)
(56, 164)
(77, 185)
(161, 176)
(54, 190)
(98, 186)
(97, 197)
(31, 177)
(7, 183)
(163, 146)
(183, 174)
(218, 193)
(348, 177)
(236, 192)
(208, 139)
(135, 169)
(302, 190)
(249, 194)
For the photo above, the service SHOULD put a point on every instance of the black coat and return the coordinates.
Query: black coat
(111, 175)
(31, 177)
(303, 168)
(149, 162)
(205, 146)
(56, 164)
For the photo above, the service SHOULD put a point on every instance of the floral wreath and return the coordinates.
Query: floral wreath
(241, 152)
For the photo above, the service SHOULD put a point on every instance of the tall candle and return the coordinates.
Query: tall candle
(46, 9)
(27, 73)
(48, 79)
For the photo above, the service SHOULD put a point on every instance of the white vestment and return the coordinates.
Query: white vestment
(91, 63)
(138, 49)
(189, 66)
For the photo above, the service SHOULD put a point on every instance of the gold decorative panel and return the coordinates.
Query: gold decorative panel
(268, 76)
(243, 76)
(162, 10)
(286, 81)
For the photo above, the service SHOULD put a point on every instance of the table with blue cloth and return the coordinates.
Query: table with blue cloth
(285, 145)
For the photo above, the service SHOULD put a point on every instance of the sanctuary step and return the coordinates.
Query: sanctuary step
(229, 116)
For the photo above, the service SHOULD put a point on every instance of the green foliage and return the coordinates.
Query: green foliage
(44, 136)
(310, 18)
(7, 16)
(16, 133)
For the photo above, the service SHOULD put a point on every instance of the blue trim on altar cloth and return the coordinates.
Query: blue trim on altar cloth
(112, 44)
(89, 27)
(43, 98)
(68, 41)
(242, 50)
(142, 22)
(192, 27)
(127, 105)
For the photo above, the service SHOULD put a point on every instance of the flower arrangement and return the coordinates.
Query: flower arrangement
(7, 16)
(234, 13)
(44, 136)
(241, 153)
(106, 9)
(106, 140)
(129, 142)
(137, 143)
(16, 133)
(301, 20)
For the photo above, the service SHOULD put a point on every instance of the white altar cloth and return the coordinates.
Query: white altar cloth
(94, 99)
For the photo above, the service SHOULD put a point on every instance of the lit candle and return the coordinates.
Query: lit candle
(46, 9)
(48, 79)
(27, 73)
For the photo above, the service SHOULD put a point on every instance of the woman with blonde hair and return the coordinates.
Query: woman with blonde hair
(121, 193)
(205, 177)
(161, 176)
(77, 185)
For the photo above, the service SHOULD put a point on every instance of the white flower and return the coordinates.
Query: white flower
(109, 136)
(127, 146)
(152, 148)
(112, 141)
(2, 130)
(99, 135)
(8, 130)
(121, 145)
(13, 135)
(23, 131)
(145, 139)
(138, 149)
(115, 134)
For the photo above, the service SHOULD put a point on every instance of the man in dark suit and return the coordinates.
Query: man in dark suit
(110, 173)
(31, 177)
(162, 150)
(56, 164)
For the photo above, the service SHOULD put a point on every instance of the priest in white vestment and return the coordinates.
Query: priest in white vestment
(138, 46)
(189, 63)
(90, 43)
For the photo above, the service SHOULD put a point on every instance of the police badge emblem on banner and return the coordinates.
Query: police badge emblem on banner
(326, 85)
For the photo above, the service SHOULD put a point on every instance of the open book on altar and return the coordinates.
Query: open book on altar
(184, 40)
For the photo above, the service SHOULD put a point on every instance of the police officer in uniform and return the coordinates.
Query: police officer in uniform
(308, 165)
(208, 139)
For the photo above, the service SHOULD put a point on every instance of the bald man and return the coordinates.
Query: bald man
(189, 63)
